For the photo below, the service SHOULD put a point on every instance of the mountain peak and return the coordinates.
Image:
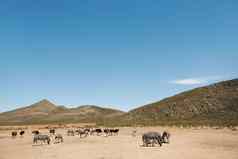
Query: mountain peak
(45, 101)
(43, 105)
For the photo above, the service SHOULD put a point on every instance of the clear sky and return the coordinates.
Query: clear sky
(118, 53)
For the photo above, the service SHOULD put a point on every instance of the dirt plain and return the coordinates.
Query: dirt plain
(186, 143)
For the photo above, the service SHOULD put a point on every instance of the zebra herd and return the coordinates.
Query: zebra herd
(84, 132)
(43, 138)
(148, 139)
(58, 138)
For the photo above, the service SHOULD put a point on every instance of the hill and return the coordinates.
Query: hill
(45, 112)
(216, 104)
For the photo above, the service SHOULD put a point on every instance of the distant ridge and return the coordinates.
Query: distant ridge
(44, 112)
(216, 104)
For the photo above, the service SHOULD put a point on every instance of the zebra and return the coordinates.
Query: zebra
(98, 131)
(114, 131)
(87, 131)
(58, 138)
(92, 131)
(44, 138)
(82, 132)
(152, 138)
(107, 132)
(110, 132)
(70, 132)
(52, 131)
(165, 137)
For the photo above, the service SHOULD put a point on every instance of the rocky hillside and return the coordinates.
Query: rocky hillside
(46, 112)
(213, 104)
(216, 104)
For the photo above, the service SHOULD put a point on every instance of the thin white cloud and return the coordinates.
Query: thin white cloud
(187, 81)
(195, 81)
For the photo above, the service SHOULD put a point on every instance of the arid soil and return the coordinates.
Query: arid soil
(192, 143)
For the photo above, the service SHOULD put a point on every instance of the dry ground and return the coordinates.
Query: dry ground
(190, 143)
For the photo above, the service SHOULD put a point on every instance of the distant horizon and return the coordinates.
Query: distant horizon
(111, 106)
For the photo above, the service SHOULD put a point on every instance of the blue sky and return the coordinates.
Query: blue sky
(121, 54)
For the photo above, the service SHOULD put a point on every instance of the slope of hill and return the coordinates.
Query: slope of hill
(213, 104)
(216, 104)
(46, 112)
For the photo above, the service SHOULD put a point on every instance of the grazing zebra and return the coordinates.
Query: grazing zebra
(152, 138)
(14, 134)
(52, 131)
(110, 132)
(92, 131)
(98, 131)
(58, 138)
(165, 137)
(114, 131)
(39, 137)
(70, 132)
(87, 130)
(82, 132)
(107, 132)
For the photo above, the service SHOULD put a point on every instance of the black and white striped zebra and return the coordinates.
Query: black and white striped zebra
(152, 138)
(42, 138)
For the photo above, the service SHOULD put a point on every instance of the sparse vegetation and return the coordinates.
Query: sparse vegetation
(214, 105)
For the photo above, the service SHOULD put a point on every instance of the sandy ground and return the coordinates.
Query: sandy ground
(185, 144)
